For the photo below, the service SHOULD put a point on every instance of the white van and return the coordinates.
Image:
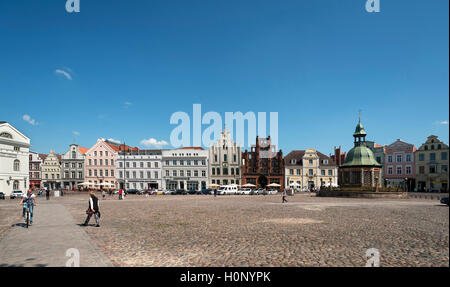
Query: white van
(228, 189)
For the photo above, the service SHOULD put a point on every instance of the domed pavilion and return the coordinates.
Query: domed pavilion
(360, 168)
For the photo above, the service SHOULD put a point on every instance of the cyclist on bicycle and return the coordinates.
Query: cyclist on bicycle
(29, 200)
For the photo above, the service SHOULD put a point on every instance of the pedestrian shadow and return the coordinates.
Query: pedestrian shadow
(11, 265)
(19, 225)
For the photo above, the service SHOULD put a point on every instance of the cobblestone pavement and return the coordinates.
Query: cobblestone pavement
(201, 230)
(46, 242)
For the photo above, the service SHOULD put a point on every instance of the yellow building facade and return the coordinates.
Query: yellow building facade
(309, 170)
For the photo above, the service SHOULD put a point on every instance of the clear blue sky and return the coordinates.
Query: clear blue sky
(131, 64)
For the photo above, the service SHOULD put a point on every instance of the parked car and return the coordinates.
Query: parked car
(16, 194)
(245, 191)
(444, 200)
(2, 195)
(180, 191)
(272, 191)
(115, 192)
(206, 191)
(192, 191)
(133, 191)
(170, 191)
(258, 191)
(228, 189)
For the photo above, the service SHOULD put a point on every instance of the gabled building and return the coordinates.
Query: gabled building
(399, 167)
(51, 170)
(431, 162)
(225, 161)
(14, 159)
(72, 167)
(263, 164)
(310, 169)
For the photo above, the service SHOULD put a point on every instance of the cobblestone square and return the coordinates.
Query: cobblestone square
(200, 230)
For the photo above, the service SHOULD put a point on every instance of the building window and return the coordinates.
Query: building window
(408, 170)
(16, 148)
(322, 172)
(156, 174)
(16, 165)
(291, 172)
(421, 157)
(444, 168)
(174, 173)
(432, 156)
(167, 173)
(444, 155)
(106, 172)
(432, 169)
(195, 173)
(174, 162)
(80, 174)
(311, 172)
(399, 170)
(379, 159)
(389, 158)
(408, 158)
(225, 157)
(390, 170)
(188, 173)
(330, 172)
(16, 185)
(298, 172)
(203, 173)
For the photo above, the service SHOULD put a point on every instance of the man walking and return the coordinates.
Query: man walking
(47, 193)
(92, 209)
(284, 197)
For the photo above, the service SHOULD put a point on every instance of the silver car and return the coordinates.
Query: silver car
(16, 194)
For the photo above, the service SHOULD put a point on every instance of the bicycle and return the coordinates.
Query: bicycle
(27, 217)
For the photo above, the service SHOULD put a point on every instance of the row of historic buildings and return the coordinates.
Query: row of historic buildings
(109, 165)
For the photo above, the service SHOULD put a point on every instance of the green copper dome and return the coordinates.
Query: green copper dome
(360, 156)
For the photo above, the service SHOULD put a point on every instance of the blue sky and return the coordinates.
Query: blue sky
(120, 69)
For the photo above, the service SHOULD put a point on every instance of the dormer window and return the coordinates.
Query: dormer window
(293, 161)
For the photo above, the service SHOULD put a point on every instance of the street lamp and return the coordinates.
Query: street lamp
(376, 183)
(406, 184)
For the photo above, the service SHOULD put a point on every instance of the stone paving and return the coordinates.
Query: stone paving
(199, 230)
(45, 243)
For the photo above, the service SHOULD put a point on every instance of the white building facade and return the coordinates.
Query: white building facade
(225, 158)
(72, 167)
(185, 168)
(139, 169)
(14, 159)
(51, 171)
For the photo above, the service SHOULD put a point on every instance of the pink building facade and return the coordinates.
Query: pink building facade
(100, 165)
(399, 166)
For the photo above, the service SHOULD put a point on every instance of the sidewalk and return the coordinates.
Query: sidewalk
(45, 243)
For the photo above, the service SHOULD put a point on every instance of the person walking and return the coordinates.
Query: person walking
(47, 193)
(120, 194)
(92, 209)
(215, 192)
(284, 197)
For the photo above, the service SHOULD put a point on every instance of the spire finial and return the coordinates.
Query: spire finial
(359, 116)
